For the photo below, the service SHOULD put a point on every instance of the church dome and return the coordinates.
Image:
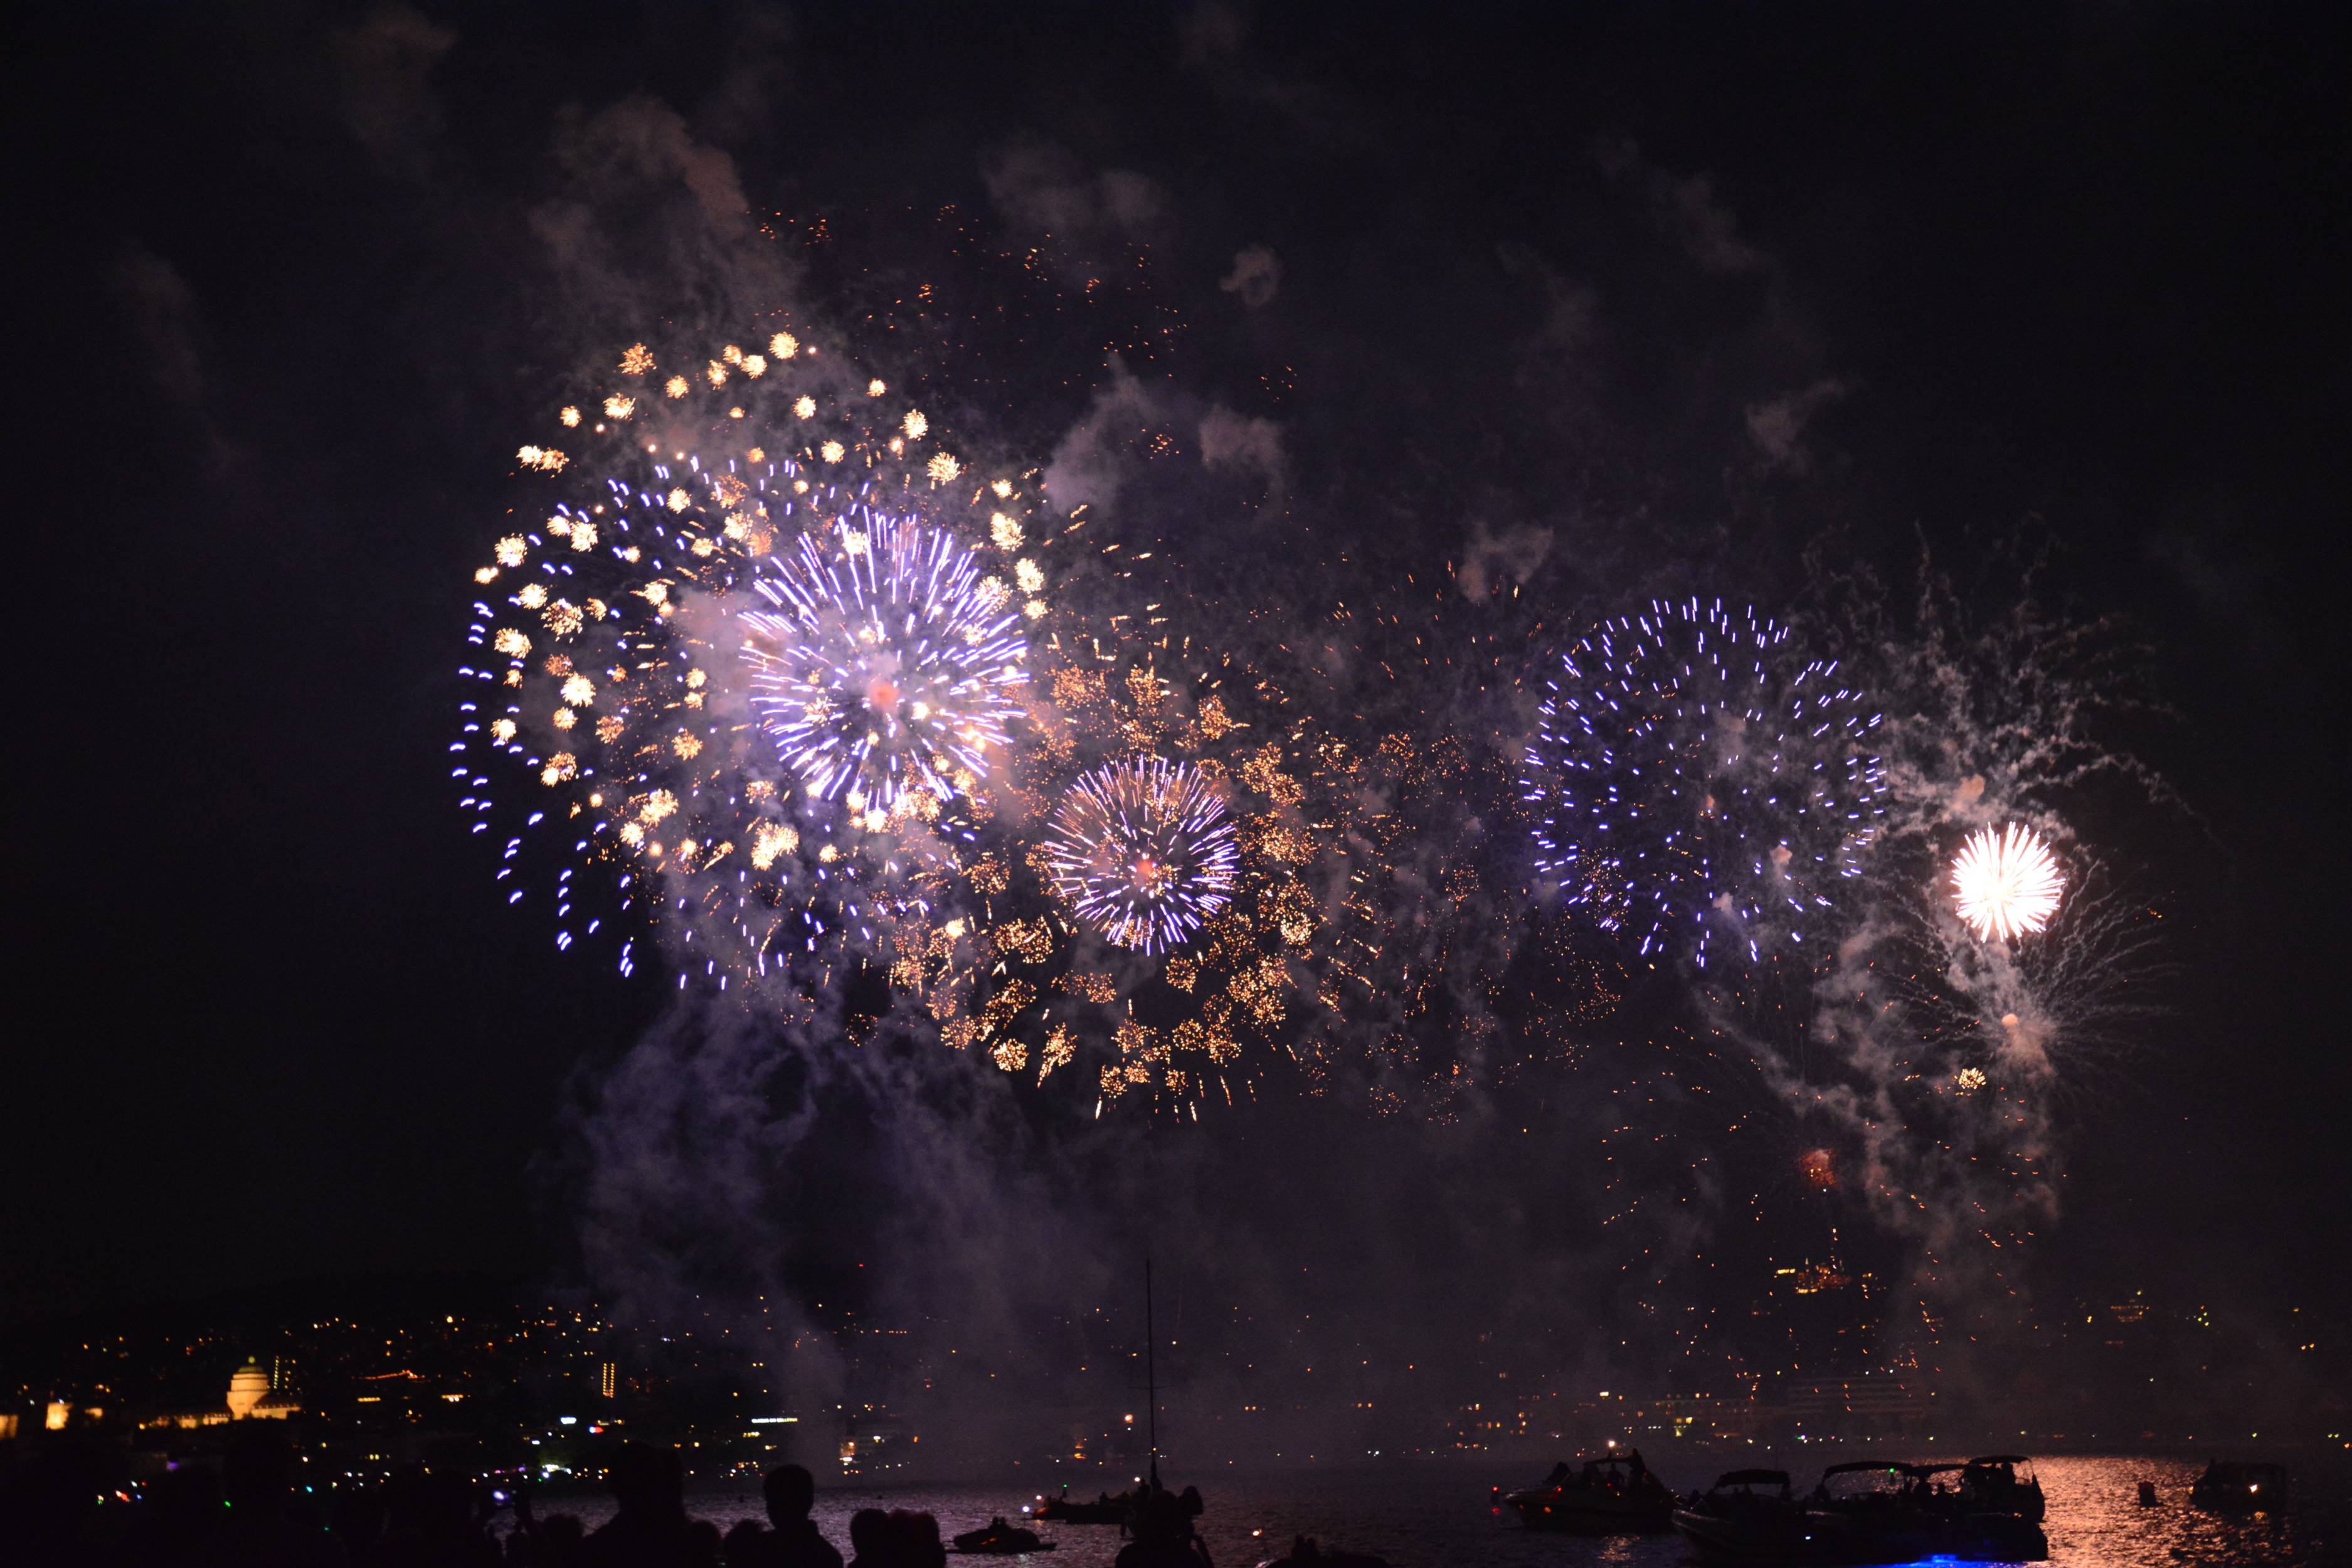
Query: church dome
(246, 1388)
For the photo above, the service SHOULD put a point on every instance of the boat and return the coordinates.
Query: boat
(1105, 1510)
(1126, 1508)
(1305, 1549)
(1610, 1494)
(1872, 1511)
(1868, 1511)
(2003, 1483)
(998, 1539)
(1747, 1514)
(1994, 1538)
(2229, 1486)
(1986, 1486)
(1884, 1510)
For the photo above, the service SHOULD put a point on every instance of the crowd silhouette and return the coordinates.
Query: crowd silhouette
(250, 1513)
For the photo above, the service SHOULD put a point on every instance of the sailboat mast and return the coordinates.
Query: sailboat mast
(1152, 1372)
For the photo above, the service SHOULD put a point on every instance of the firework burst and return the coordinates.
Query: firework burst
(888, 662)
(1151, 909)
(1142, 850)
(742, 678)
(2005, 882)
(1693, 781)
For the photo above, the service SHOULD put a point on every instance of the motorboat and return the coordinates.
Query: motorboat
(2003, 1483)
(1111, 1507)
(1608, 1494)
(1868, 1511)
(2229, 1486)
(1871, 1510)
(1105, 1510)
(1989, 1485)
(1747, 1514)
(1305, 1550)
(998, 1539)
(1881, 1511)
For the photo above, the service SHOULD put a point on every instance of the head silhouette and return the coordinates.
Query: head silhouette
(1162, 1518)
(869, 1534)
(790, 1492)
(648, 1483)
(916, 1535)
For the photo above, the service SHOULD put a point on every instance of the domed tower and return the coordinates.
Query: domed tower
(248, 1387)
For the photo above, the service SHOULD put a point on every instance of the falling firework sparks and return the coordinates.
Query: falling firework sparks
(1142, 851)
(1688, 783)
(1429, 983)
(1150, 909)
(2005, 882)
(889, 663)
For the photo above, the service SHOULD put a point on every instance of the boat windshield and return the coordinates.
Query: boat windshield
(1844, 1484)
(2004, 1466)
(1752, 1478)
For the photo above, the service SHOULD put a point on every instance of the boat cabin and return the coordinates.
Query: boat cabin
(1868, 1484)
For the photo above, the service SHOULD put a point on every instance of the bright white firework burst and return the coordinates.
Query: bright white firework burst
(886, 664)
(1689, 774)
(1142, 850)
(2005, 881)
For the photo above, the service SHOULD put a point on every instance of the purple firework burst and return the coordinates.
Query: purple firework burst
(1694, 778)
(1142, 851)
(888, 661)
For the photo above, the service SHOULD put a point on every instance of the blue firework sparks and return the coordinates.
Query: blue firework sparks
(1693, 780)
(1142, 850)
(888, 662)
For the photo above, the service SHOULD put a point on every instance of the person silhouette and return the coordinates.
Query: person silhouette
(870, 1539)
(916, 1539)
(648, 1530)
(795, 1542)
(1163, 1537)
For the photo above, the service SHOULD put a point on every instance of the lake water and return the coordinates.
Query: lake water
(1437, 1518)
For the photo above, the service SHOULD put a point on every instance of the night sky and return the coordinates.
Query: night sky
(293, 288)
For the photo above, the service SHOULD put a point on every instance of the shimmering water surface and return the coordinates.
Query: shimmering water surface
(1432, 1518)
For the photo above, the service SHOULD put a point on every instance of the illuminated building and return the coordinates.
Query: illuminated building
(248, 1387)
(255, 1394)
